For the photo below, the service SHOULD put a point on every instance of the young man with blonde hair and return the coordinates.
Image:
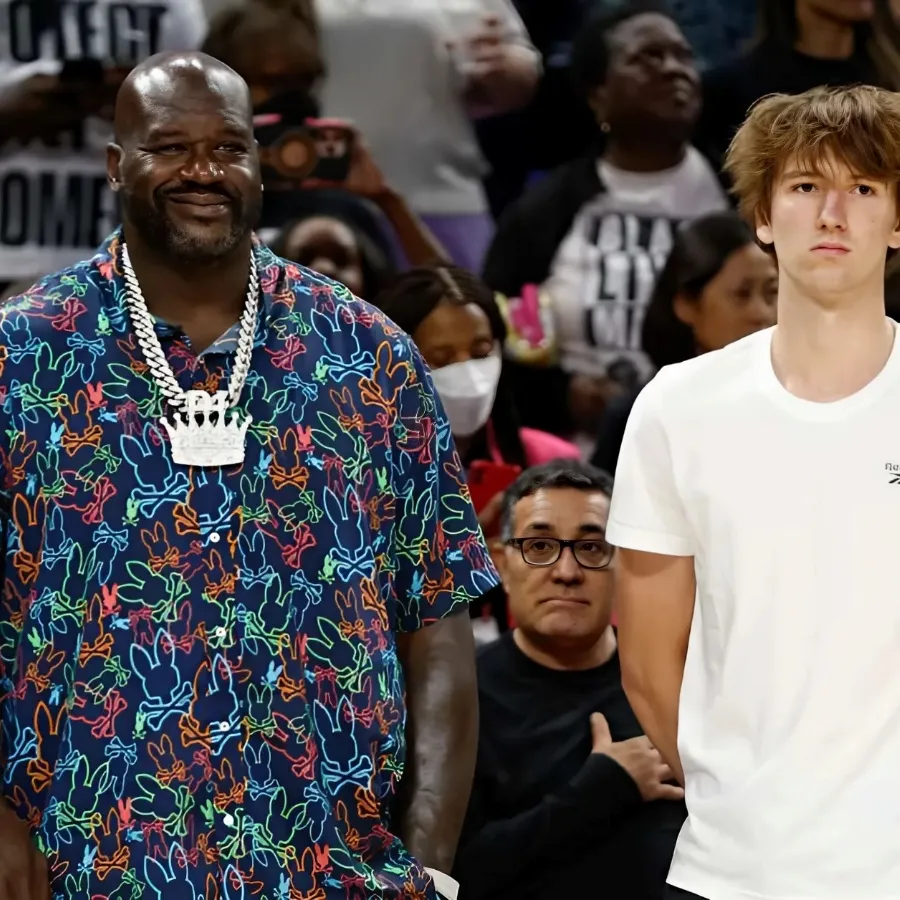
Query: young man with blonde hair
(757, 506)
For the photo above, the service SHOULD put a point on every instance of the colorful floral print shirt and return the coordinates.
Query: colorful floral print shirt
(201, 696)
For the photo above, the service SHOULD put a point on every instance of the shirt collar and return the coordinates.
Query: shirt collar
(107, 260)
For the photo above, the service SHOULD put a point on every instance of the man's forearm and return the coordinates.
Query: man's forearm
(442, 738)
(656, 608)
(654, 696)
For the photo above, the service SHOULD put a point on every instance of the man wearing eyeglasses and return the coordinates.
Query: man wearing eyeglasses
(570, 799)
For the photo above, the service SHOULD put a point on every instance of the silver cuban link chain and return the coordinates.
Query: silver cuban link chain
(148, 340)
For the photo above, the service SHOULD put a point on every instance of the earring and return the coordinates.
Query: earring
(604, 127)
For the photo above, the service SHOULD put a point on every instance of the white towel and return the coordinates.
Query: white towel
(444, 884)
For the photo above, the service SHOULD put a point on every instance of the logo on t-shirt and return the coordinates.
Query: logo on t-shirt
(630, 251)
(120, 32)
(54, 202)
(623, 254)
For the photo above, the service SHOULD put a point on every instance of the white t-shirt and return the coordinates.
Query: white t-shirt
(390, 72)
(55, 208)
(789, 719)
(604, 271)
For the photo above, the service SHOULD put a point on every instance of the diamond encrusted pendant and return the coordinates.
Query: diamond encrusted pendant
(206, 432)
(204, 429)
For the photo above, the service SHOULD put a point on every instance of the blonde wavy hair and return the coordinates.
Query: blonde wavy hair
(858, 126)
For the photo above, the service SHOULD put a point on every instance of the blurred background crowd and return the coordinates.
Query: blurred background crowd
(533, 189)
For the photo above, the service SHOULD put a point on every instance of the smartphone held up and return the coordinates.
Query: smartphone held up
(296, 149)
(487, 479)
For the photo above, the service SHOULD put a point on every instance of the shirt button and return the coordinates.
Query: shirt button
(215, 537)
(220, 632)
(228, 819)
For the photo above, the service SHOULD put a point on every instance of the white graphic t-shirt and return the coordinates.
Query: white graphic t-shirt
(604, 271)
(55, 207)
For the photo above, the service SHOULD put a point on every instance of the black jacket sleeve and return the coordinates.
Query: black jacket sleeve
(502, 851)
(531, 229)
(723, 111)
(611, 431)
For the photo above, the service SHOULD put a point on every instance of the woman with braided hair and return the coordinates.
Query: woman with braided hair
(455, 322)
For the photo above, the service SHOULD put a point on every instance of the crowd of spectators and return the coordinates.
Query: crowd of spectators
(534, 191)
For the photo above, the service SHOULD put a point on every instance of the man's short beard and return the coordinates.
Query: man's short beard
(166, 238)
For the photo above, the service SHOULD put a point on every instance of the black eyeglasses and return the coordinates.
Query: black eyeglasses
(590, 553)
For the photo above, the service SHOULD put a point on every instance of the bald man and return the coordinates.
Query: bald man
(236, 659)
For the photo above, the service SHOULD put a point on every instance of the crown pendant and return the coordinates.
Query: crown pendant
(205, 433)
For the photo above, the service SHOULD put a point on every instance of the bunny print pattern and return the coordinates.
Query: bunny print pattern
(201, 696)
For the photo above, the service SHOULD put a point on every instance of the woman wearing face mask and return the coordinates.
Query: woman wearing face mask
(716, 287)
(456, 324)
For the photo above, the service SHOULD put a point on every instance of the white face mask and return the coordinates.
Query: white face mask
(467, 390)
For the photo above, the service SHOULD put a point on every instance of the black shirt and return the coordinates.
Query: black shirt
(549, 820)
(611, 432)
(730, 90)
